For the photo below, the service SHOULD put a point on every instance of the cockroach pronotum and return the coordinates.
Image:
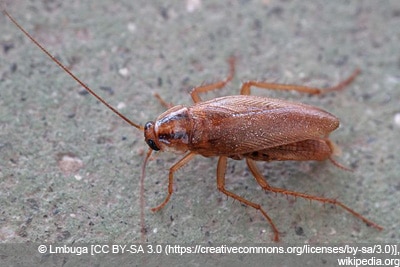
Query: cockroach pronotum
(242, 126)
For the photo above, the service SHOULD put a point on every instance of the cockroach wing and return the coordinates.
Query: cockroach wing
(235, 125)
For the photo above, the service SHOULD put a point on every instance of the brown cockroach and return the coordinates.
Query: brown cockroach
(239, 127)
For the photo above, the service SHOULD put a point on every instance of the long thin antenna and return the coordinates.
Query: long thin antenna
(71, 74)
(142, 200)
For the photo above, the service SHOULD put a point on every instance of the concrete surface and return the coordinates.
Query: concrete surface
(126, 50)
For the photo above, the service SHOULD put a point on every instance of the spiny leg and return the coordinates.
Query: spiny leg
(217, 85)
(221, 168)
(263, 183)
(245, 90)
(173, 169)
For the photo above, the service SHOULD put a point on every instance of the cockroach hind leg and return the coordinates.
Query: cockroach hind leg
(339, 165)
(341, 85)
(336, 151)
(246, 86)
(262, 182)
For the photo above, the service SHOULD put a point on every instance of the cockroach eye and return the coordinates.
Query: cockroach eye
(152, 145)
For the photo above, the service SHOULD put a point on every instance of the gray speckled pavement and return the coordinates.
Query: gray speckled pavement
(70, 169)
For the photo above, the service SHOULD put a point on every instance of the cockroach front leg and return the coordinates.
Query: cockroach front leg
(162, 101)
(263, 183)
(173, 169)
(221, 168)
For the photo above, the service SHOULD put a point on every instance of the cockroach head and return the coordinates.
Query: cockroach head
(149, 135)
(170, 131)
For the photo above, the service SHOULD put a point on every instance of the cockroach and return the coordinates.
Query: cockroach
(238, 127)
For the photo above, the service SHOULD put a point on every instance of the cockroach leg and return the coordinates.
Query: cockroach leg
(221, 168)
(335, 150)
(217, 85)
(162, 101)
(183, 161)
(263, 183)
(245, 90)
(343, 83)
